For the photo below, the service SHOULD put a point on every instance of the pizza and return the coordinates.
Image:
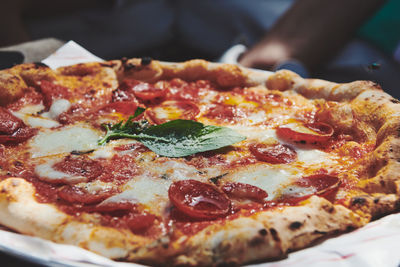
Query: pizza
(193, 163)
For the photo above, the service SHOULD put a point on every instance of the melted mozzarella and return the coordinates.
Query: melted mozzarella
(78, 137)
(46, 172)
(145, 189)
(95, 186)
(39, 122)
(104, 152)
(31, 109)
(29, 116)
(300, 128)
(257, 117)
(173, 170)
(314, 156)
(59, 106)
(270, 178)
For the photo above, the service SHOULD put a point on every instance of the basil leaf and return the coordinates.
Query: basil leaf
(180, 138)
(123, 130)
(177, 138)
(138, 111)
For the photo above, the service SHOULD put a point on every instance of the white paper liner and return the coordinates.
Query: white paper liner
(375, 245)
(69, 54)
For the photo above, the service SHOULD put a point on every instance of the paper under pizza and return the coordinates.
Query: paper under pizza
(194, 163)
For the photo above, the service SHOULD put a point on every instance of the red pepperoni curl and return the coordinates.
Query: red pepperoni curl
(74, 194)
(125, 214)
(274, 154)
(245, 191)
(198, 200)
(143, 91)
(323, 132)
(9, 123)
(19, 136)
(325, 185)
(172, 110)
(12, 129)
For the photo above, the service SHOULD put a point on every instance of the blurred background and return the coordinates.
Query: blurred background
(341, 40)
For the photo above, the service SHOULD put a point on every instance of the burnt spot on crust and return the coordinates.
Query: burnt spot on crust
(358, 201)
(317, 232)
(108, 64)
(376, 200)
(295, 225)
(274, 234)
(39, 65)
(145, 61)
(129, 66)
(328, 208)
(394, 101)
(263, 232)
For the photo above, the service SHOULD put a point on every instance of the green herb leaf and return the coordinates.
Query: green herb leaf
(124, 130)
(138, 111)
(177, 138)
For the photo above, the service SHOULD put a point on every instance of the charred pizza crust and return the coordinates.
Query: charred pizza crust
(360, 108)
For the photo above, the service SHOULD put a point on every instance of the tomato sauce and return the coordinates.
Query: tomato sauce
(31, 97)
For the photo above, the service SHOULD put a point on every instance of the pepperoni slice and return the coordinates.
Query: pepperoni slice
(125, 107)
(19, 136)
(172, 110)
(323, 185)
(307, 133)
(198, 200)
(13, 129)
(274, 154)
(81, 166)
(225, 113)
(52, 91)
(143, 91)
(75, 194)
(8, 122)
(245, 191)
(125, 214)
(139, 222)
(181, 90)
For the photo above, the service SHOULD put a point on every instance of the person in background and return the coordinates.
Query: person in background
(313, 37)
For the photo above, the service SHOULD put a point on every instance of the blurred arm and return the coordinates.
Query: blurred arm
(311, 31)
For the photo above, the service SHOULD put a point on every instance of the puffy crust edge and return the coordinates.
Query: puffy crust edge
(20, 211)
(264, 235)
